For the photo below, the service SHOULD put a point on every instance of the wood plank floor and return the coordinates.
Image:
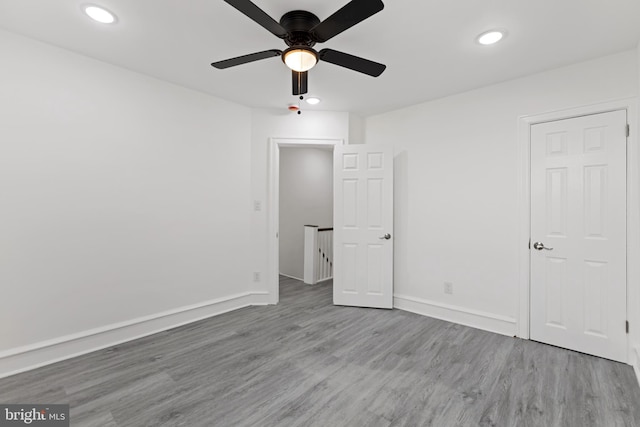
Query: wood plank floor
(305, 362)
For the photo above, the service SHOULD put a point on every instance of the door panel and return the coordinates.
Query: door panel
(578, 211)
(556, 289)
(363, 214)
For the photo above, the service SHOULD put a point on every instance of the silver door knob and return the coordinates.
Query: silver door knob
(385, 237)
(540, 246)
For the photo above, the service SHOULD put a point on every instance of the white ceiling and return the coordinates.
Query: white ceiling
(428, 46)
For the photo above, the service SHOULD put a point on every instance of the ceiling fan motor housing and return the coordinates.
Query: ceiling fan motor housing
(298, 24)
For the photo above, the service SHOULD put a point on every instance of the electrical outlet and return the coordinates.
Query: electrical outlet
(448, 288)
(256, 276)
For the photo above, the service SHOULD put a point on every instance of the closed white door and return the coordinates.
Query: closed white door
(363, 226)
(578, 234)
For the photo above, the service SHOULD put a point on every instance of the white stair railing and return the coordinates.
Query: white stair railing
(318, 254)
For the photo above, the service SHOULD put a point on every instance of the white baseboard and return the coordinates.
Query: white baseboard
(33, 356)
(261, 298)
(302, 280)
(291, 277)
(503, 325)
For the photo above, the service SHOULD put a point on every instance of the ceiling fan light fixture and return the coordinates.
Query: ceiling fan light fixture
(300, 59)
(313, 100)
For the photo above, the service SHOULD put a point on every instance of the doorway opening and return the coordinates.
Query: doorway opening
(297, 169)
(306, 213)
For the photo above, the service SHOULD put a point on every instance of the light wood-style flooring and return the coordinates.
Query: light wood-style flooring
(306, 362)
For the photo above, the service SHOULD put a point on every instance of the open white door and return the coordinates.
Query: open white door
(363, 226)
(578, 234)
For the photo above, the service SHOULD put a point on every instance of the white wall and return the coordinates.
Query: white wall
(306, 198)
(281, 124)
(123, 198)
(356, 129)
(456, 192)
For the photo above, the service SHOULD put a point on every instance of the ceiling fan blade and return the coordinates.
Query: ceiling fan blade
(349, 15)
(258, 15)
(351, 62)
(232, 62)
(299, 80)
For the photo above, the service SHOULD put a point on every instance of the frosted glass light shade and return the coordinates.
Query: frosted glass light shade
(300, 59)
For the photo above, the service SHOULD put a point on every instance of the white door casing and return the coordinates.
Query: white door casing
(578, 207)
(363, 217)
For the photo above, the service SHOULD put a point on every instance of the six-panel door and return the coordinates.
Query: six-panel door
(363, 226)
(578, 227)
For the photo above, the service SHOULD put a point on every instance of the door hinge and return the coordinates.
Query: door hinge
(628, 131)
(627, 326)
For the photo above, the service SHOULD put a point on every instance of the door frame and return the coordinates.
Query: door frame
(273, 204)
(633, 208)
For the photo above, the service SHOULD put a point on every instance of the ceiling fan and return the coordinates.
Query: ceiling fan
(301, 30)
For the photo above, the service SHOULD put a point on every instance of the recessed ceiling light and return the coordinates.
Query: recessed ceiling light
(99, 14)
(313, 100)
(491, 37)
